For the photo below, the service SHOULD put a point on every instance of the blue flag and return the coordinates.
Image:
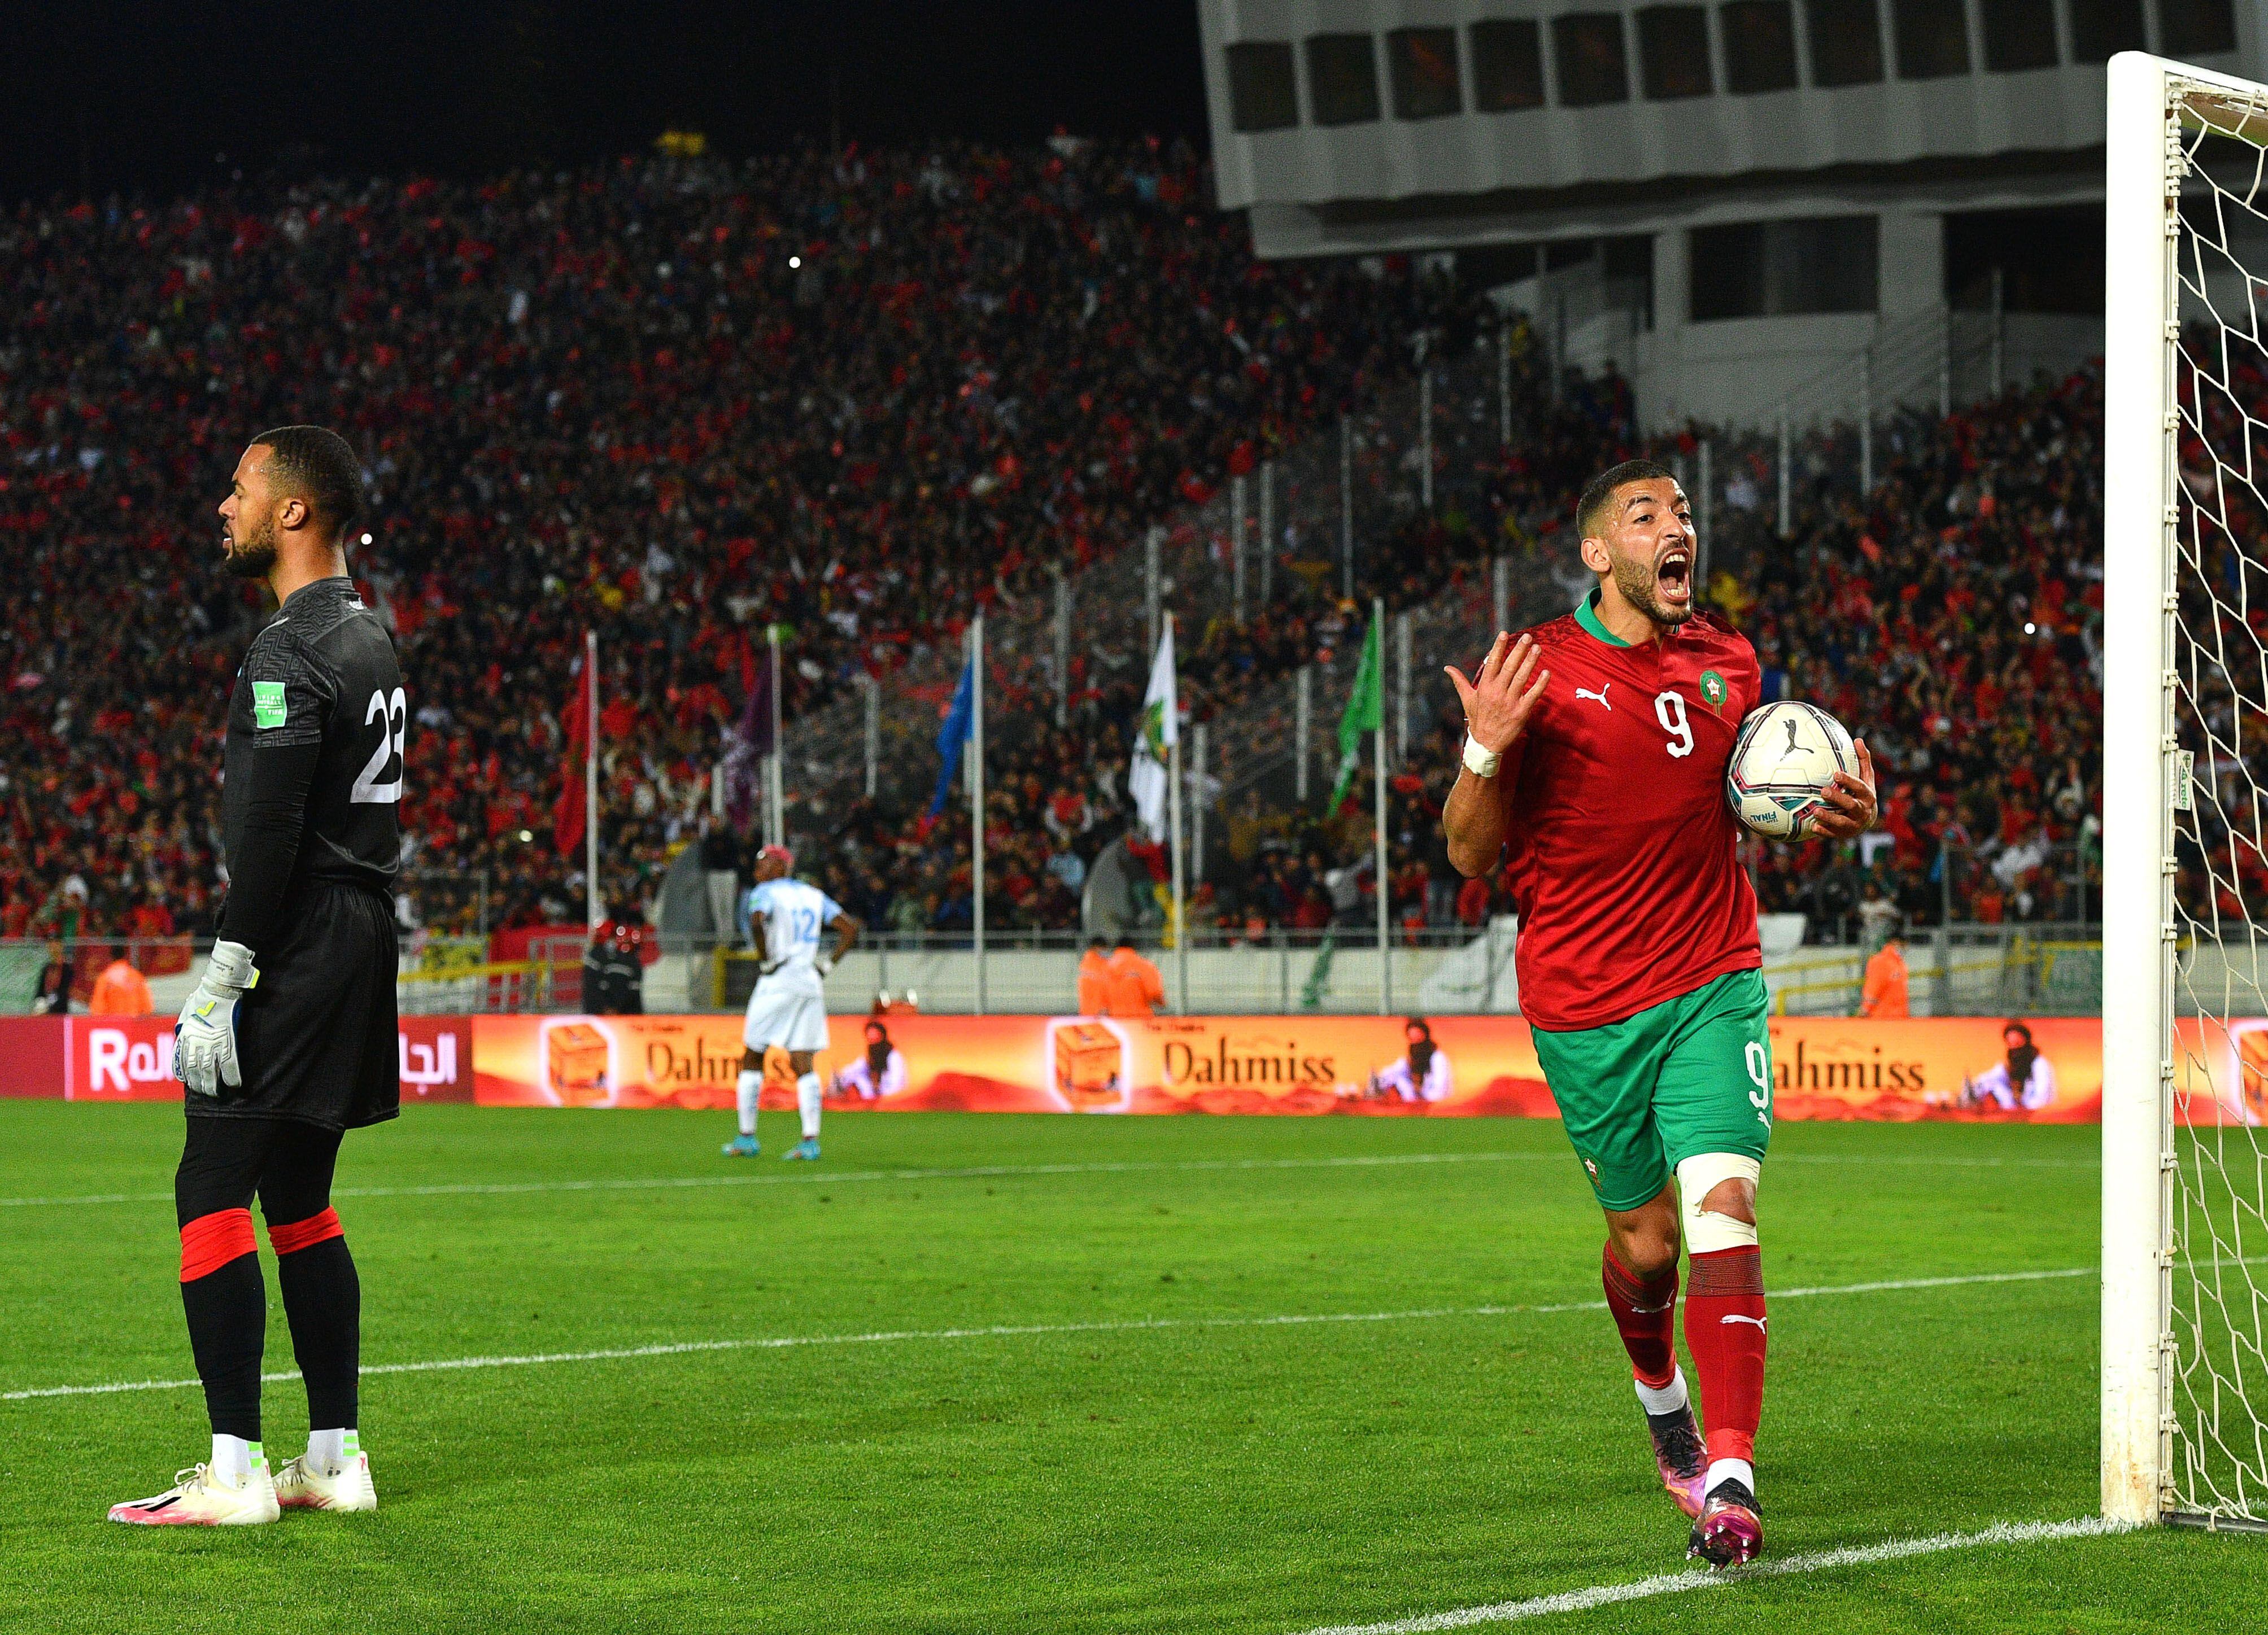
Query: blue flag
(959, 721)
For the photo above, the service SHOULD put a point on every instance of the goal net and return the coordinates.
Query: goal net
(2185, 784)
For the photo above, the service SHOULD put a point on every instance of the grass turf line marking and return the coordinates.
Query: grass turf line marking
(2004, 1533)
(1006, 1330)
(986, 1172)
(805, 1177)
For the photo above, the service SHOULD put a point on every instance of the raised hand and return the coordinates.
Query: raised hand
(1499, 705)
(1849, 810)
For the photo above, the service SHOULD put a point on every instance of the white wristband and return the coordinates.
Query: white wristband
(1480, 762)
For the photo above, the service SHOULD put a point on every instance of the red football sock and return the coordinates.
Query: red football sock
(1725, 1332)
(1646, 1315)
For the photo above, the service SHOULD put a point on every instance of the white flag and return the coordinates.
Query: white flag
(1157, 732)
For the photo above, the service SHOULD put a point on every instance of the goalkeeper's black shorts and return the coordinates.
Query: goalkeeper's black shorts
(317, 1036)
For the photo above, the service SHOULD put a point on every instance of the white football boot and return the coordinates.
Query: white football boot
(199, 1498)
(299, 1486)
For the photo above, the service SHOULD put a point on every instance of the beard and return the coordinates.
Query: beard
(1636, 582)
(251, 558)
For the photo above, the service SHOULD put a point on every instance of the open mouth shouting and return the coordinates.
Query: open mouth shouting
(1673, 576)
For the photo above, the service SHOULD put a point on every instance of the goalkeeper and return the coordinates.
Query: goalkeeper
(291, 1038)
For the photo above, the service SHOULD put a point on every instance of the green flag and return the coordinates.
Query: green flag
(1365, 712)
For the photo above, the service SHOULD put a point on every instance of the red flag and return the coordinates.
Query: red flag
(567, 813)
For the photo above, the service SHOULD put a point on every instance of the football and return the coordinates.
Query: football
(1787, 753)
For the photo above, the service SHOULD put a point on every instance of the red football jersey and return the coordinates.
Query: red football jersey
(1619, 846)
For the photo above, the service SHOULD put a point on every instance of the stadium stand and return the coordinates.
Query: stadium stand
(859, 398)
(1955, 613)
(679, 400)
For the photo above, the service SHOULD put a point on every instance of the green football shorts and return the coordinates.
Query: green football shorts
(1690, 1076)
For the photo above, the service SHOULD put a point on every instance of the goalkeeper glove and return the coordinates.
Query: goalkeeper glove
(204, 1039)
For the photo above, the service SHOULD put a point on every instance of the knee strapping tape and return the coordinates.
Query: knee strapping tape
(1706, 1231)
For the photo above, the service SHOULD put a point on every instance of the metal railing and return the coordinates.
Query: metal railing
(26, 963)
(443, 976)
(1964, 969)
(1309, 528)
(1303, 529)
(437, 976)
(2041, 969)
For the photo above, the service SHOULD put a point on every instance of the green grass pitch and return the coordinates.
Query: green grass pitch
(1158, 1457)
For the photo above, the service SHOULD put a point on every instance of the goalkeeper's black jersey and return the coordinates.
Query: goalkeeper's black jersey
(317, 725)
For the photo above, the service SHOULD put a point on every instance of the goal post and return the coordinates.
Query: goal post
(2141, 217)
(2184, 1369)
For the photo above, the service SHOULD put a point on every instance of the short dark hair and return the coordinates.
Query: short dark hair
(1599, 493)
(317, 466)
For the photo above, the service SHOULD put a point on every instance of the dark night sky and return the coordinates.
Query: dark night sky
(104, 95)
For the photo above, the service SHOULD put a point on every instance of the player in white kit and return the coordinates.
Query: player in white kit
(788, 1009)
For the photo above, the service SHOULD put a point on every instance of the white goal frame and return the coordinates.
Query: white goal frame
(2143, 775)
(2142, 170)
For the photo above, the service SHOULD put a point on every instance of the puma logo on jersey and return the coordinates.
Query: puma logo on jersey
(1736, 1317)
(1601, 695)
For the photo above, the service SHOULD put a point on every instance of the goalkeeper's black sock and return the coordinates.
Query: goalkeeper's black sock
(227, 1307)
(322, 1298)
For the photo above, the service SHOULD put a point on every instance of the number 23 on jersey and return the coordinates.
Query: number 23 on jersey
(392, 715)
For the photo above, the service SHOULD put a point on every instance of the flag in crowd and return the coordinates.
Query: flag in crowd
(748, 741)
(959, 722)
(1365, 712)
(568, 814)
(1160, 731)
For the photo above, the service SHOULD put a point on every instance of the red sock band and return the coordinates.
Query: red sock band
(210, 1241)
(1725, 1332)
(1645, 1311)
(294, 1235)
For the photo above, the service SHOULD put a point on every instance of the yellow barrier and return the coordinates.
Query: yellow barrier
(463, 973)
(1849, 985)
(2020, 953)
(512, 984)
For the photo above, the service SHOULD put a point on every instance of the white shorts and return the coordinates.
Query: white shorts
(792, 1019)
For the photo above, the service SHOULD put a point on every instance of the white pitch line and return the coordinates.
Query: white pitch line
(787, 1342)
(2005, 1533)
(806, 1177)
(985, 1172)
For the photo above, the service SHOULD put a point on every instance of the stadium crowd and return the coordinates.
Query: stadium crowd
(858, 396)
(853, 394)
(1953, 616)
(2222, 633)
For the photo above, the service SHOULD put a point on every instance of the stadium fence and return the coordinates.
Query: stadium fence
(2037, 969)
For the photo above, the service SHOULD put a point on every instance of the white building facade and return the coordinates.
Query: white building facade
(1743, 205)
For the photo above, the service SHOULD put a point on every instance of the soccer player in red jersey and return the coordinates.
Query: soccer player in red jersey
(1594, 777)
